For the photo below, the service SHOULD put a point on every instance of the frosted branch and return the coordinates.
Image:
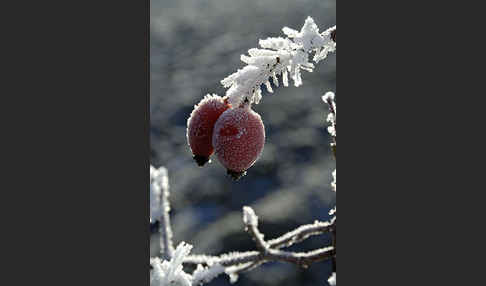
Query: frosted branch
(329, 98)
(300, 234)
(159, 188)
(279, 57)
(227, 259)
(169, 267)
(171, 273)
(251, 226)
(236, 262)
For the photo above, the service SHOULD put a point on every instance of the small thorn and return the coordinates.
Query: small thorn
(201, 160)
(235, 175)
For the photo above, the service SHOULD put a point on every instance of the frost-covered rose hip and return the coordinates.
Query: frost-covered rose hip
(200, 126)
(238, 139)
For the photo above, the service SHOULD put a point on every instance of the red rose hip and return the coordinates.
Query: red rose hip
(200, 126)
(238, 139)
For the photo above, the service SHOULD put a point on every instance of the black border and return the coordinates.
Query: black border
(80, 143)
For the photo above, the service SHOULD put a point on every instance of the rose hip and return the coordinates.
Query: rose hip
(238, 139)
(200, 126)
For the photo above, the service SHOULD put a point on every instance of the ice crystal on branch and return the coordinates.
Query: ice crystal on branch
(170, 273)
(279, 56)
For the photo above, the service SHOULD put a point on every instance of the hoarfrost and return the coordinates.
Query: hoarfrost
(277, 57)
(170, 273)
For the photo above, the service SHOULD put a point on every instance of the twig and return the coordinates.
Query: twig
(251, 226)
(300, 234)
(330, 100)
(244, 267)
(237, 258)
(269, 250)
(165, 229)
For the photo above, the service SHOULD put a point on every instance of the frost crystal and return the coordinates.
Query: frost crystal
(170, 273)
(278, 56)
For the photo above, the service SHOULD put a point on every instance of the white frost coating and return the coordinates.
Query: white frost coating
(170, 273)
(249, 216)
(159, 184)
(278, 56)
(332, 279)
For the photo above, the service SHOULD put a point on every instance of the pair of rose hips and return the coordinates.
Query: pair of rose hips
(235, 134)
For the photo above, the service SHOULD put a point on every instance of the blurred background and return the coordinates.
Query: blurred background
(194, 44)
